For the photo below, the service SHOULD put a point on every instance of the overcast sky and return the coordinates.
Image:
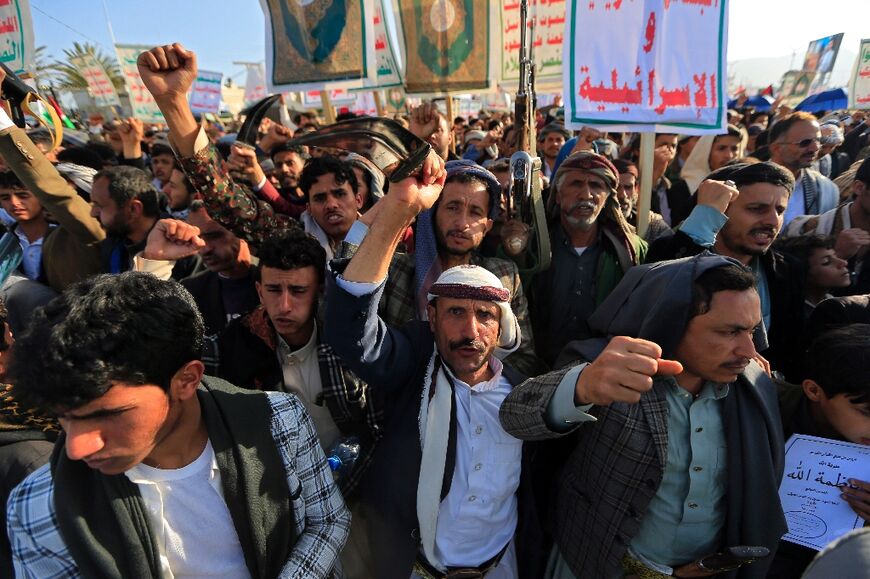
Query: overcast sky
(223, 31)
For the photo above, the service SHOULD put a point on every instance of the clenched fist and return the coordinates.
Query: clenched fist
(623, 372)
(168, 71)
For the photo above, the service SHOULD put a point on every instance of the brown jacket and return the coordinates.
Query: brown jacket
(70, 252)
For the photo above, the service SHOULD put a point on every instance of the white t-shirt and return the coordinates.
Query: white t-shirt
(190, 520)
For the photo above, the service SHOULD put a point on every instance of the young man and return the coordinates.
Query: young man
(677, 448)
(31, 225)
(825, 272)
(153, 454)
(332, 200)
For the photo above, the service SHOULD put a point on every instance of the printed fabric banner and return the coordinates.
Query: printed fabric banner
(665, 72)
(312, 42)
(99, 84)
(255, 83)
(549, 31)
(338, 97)
(16, 35)
(859, 88)
(141, 101)
(205, 95)
(383, 48)
(446, 45)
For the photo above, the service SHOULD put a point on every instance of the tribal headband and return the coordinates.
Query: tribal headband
(466, 292)
(596, 164)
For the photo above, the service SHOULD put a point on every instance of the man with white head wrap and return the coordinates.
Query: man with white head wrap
(441, 491)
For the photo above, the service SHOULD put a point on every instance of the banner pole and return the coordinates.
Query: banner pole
(328, 110)
(450, 116)
(644, 202)
(379, 104)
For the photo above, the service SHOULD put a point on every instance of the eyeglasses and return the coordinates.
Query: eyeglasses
(805, 143)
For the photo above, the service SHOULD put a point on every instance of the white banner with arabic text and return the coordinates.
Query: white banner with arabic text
(141, 101)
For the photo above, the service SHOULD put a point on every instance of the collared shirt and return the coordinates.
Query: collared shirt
(301, 371)
(180, 503)
(796, 202)
(479, 515)
(685, 518)
(31, 258)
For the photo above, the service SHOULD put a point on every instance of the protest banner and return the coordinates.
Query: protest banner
(549, 31)
(16, 35)
(142, 103)
(663, 72)
(205, 95)
(815, 471)
(338, 97)
(445, 45)
(387, 73)
(315, 42)
(859, 86)
(255, 83)
(100, 85)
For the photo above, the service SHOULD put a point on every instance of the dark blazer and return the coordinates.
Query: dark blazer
(395, 361)
(206, 291)
(785, 282)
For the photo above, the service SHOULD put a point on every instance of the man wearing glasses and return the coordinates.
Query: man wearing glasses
(794, 144)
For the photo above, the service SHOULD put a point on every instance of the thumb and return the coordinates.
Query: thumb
(668, 367)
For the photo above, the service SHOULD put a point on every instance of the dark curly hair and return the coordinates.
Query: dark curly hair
(292, 249)
(131, 328)
(318, 166)
(128, 183)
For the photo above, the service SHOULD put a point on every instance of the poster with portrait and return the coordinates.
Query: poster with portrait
(312, 42)
(821, 54)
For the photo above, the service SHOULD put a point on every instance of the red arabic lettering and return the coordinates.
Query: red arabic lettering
(552, 40)
(380, 43)
(9, 25)
(678, 97)
(864, 73)
(650, 84)
(514, 6)
(701, 93)
(650, 32)
(612, 94)
(713, 88)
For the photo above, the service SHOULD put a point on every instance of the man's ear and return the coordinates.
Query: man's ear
(813, 391)
(135, 207)
(432, 314)
(186, 380)
(259, 287)
(489, 223)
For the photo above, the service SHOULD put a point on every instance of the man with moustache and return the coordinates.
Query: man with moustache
(739, 214)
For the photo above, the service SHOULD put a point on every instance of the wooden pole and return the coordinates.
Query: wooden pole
(328, 110)
(379, 103)
(644, 202)
(450, 116)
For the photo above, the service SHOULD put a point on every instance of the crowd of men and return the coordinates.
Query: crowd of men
(225, 360)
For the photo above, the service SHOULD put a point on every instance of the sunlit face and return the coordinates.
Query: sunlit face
(552, 144)
(177, 192)
(290, 299)
(725, 148)
(466, 334)
(627, 192)
(161, 167)
(288, 168)
(121, 428)
(799, 146)
(441, 137)
(754, 219)
(717, 345)
(21, 204)
(827, 271)
(221, 251)
(333, 206)
(115, 220)
(581, 196)
(461, 218)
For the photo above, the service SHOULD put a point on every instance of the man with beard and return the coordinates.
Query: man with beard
(551, 139)
(427, 122)
(593, 246)
(450, 234)
(794, 144)
(162, 162)
(739, 214)
(289, 160)
(179, 193)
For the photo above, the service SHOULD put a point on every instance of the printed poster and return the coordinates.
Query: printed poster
(651, 75)
(445, 45)
(384, 52)
(549, 28)
(859, 87)
(205, 94)
(312, 42)
(16, 35)
(99, 84)
(141, 101)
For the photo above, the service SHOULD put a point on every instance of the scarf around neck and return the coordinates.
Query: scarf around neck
(103, 521)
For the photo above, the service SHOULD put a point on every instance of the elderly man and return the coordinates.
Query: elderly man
(593, 246)
(794, 144)
(440, 494)
(677, 449)
(161, 472)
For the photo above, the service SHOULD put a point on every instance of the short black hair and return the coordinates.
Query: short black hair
(9, 180)
(803, 247)
(730, 277)
(131, 328)
(750, 173)
(318, 166)
(81, 156)
(105, 152)
(41, 138)
(292, 249)
(838, 360)
(128, 183)
(161, 149)
(289, 148)
(467, 178)
(782, 126)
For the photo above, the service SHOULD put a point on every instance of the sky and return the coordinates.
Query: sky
(225, 31)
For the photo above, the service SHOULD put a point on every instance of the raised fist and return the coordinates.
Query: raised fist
(168, 71)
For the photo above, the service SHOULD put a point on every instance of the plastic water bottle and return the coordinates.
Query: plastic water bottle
(342, 457)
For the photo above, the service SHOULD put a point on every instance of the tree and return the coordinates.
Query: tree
(41, 69)
(67, 73)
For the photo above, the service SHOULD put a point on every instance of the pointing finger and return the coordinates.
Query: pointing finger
(669, 367)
